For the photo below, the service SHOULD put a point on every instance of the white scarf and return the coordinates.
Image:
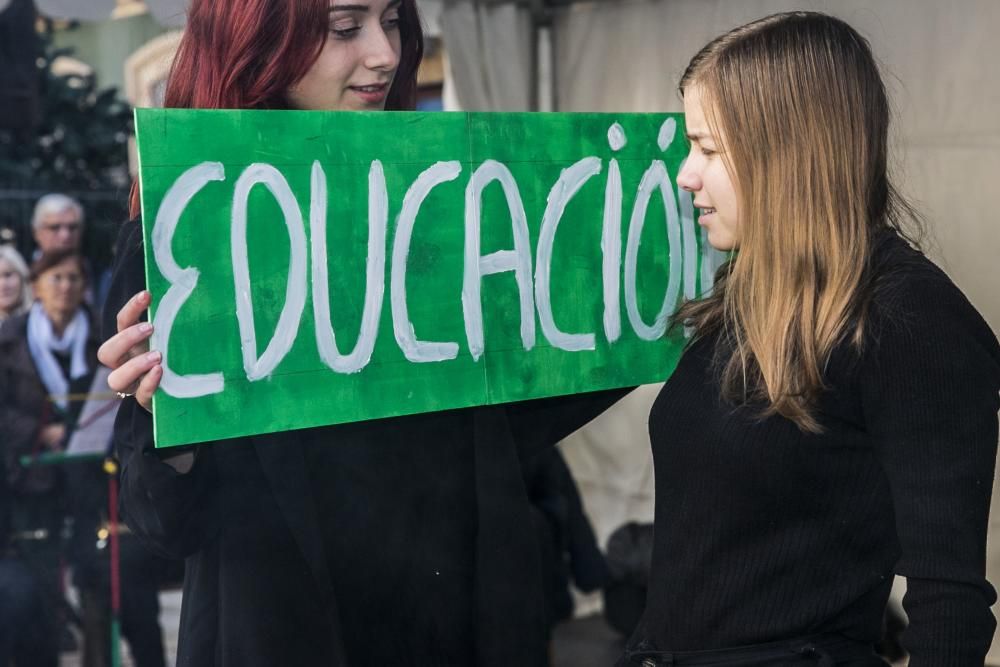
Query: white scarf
(42, 342)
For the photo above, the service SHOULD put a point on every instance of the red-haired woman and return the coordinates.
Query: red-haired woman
(402, 541)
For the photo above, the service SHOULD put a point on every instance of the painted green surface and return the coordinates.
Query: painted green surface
(303, 391)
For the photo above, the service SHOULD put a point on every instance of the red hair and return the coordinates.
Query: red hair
(246, 54)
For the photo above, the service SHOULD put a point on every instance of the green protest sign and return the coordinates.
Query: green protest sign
(312, 268)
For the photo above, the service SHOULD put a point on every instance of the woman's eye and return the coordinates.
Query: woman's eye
(345, 30)
(708, 152)
(391, 23)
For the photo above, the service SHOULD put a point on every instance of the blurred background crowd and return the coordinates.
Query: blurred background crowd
(70, 73)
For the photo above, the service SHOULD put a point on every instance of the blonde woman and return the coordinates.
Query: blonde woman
(15, 289)
(834, 420)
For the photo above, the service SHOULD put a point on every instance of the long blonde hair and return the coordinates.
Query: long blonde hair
(805, 116)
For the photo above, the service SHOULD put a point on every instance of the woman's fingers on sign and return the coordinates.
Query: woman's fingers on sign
(133, 309)
(127, 375)
(128, 344)
(147, 386)
(132, 339)
(130, 374)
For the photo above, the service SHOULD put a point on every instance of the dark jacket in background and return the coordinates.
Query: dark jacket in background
(570, 553)
(25, 408)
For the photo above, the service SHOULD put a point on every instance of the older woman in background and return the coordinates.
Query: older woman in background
(15, 290)
(46, 354)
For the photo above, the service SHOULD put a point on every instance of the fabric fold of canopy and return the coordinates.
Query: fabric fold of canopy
(490, 54)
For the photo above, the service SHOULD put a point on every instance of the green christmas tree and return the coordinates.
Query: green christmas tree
(78, 145)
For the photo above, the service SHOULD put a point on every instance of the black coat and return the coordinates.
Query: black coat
(25, 408)
(322, 546)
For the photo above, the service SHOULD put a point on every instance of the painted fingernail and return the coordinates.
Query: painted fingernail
(153, 356)
(145, 327)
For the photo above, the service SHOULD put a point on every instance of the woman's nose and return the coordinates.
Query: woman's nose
(688, 178)
(381, 53)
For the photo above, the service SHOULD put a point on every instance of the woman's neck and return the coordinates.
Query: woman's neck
(60, 320)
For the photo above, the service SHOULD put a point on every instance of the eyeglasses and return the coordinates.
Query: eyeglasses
(57, 227)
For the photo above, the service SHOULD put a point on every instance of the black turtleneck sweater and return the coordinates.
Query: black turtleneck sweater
(765, 533)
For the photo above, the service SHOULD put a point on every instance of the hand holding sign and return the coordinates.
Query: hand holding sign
(135, 369)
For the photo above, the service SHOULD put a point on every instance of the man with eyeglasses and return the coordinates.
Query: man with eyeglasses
(57, 224)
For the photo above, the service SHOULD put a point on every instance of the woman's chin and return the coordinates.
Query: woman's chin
(721, 241)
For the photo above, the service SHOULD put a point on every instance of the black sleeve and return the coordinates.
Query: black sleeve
(930, 385)
(543, 422)
(128, 275)
(173, 513)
